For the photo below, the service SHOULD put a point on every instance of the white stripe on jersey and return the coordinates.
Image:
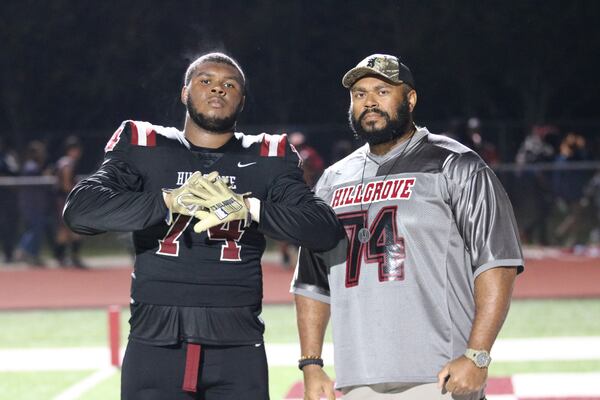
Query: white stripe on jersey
(274, 144)
(142, 128)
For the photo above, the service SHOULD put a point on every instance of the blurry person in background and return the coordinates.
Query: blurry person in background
(312, 166)
(456, 129)
(534, 203)
(568, 185)
(341, 148)
(591, 198)
(9, 166)
(476, 141)
(33, 205)
(312, 163)
(65, 181)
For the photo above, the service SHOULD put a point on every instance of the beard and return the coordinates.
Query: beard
(393, 129)
(213, 124)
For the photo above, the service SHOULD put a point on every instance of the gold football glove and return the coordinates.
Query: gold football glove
(182, 200)
(218, 204)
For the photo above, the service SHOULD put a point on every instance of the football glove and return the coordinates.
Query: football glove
(182, 200)
(218, 204)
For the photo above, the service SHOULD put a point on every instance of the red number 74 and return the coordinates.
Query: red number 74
(230, 232)
(384, 246)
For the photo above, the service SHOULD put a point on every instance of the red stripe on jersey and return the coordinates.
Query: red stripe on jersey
(134, 134)
(281, 146)
(264, 147)
(114, 139)
(151, 140)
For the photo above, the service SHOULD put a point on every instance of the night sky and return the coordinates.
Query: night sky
(84, 66)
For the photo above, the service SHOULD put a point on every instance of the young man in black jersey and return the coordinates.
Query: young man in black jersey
(196, 293)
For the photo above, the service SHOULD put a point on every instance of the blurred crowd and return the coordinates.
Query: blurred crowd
(558, 198)
(31, 211)
(553, 181)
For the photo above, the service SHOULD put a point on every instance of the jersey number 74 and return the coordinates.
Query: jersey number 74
(385, 246)
(230, 233)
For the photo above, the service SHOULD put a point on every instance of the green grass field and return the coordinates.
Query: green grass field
(88, 328)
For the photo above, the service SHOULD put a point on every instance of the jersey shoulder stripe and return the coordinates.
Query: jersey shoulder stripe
(271, 146)
(141, 133)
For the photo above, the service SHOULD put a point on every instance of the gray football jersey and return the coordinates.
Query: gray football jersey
(401, 294)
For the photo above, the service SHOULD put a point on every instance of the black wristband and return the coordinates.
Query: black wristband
(310, 361)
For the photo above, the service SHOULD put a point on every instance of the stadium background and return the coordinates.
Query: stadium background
(521, 68)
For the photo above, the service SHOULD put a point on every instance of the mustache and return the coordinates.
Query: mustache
(373, 110)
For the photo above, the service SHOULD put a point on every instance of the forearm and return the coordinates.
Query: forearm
(111, 200)
(493, 290)
(311, 224)
(312, 317)
(117, 212)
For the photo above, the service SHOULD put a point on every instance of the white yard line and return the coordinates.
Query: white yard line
(93, 358)
(559, 386)
(516, 350)
(556, 385)
(550, 348)
(75, 391)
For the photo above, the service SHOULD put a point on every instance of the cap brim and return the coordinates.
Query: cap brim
(356, 73)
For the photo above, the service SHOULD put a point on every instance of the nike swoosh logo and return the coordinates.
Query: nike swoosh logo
(240, 165)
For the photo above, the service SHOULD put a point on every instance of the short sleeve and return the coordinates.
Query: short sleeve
(486, 222)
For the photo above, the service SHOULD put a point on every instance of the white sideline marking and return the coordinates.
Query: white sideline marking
(94, 358)
(59, 359)
(556, 385)
(551, 348)
(75, 391)
(538, 349)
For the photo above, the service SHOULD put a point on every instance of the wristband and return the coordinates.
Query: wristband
(304, 361)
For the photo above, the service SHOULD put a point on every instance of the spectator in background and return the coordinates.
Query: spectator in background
(538, 145)
(591, 198)
(65, 175)
(534, 203)
(568, 185)
(486, 150)
(341, 149)
(312, 166)
(9, 166)
(312, 163)
(456, 130)
(33, 205)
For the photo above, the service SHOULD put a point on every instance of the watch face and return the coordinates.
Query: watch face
(482, 359)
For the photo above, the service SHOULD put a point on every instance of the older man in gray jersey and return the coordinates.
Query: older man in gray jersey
(419, 290)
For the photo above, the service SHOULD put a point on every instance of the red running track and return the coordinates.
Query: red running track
(32, 288)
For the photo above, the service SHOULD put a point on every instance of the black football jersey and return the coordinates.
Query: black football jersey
(175, 266)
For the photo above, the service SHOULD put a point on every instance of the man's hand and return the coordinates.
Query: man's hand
(182, 200)
(463, 376)
(316, 383)
(218, 202)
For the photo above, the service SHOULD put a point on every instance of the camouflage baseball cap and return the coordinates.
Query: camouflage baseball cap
(384, 65)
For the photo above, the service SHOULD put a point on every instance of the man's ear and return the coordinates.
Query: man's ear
(184, 94)
(412, 100)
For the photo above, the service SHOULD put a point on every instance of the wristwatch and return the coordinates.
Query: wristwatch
(481, 358)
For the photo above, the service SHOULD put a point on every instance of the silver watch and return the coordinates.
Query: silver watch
(481, 358)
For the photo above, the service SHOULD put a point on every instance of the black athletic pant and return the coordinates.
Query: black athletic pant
(225, 373)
